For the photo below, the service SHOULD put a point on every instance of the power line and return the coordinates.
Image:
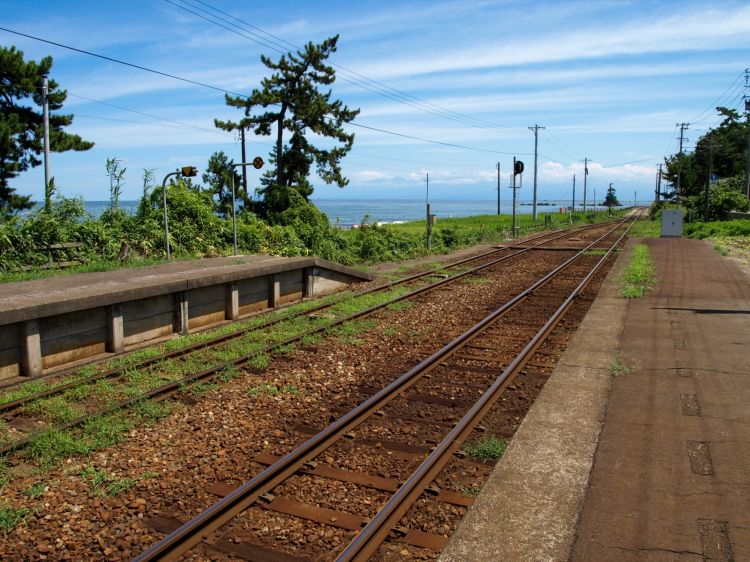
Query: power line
(130, 64)
(360, 80)
(714, 104)
(123, 108)
(440, 142)
(194, 82)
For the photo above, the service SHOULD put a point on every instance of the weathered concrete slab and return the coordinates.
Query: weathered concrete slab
(671, 478)
(57, 295)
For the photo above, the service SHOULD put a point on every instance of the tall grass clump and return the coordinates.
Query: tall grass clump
(640, 274)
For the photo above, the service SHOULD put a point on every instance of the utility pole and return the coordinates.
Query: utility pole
(658, 184)
(513, 187)
(635, 199)
(244, 169)
(746, 97)
(594, 199)
(498, 188)
(683, 127)
(47, 163)
(585, 175)
(427, 201)
(535, 128)
(708, 182)
(574, 193)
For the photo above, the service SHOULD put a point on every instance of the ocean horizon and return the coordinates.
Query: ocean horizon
(348, 212)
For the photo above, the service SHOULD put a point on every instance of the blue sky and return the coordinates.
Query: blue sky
(608, 80)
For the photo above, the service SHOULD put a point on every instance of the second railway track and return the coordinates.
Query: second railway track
(411, 426)
(25, 416)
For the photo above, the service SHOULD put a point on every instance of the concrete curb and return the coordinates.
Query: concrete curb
(530, 506)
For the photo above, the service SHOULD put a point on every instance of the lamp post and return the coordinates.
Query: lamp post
(185, 171)
(257, 163)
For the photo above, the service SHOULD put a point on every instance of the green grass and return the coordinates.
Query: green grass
(11, 516)
(646, 228)
(640, 275)
(477, 280)
(487, 448)
(400, 306)
(270, 389)
(93, 266)
(36, 490)
(721, 249)
(104, 483)
(472, 491)
(618, 366)
(54, 410)
(389, 331)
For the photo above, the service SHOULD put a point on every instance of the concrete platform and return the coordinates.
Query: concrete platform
(651, 462)
(51, 322)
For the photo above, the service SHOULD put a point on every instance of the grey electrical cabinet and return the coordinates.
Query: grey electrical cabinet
(671, 224)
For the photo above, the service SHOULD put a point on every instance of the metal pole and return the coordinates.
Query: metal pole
(514, 196)
(47, 163)
(708, 183)
(573, 208)
(498, 188)
(234, 210)
(635, 199)
(535, 128)
(427, 205)
(166, 219)
(244, 171)
(595, 207)
(585, 176)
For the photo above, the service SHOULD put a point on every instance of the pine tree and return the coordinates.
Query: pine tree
(218, 176)
(300, 108)
(21, 125)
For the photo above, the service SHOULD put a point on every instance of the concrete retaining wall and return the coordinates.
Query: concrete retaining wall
(39, 341)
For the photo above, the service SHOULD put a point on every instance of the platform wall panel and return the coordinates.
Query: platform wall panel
(148, 319)
(73, 336)
(10, 351)
(326, 281)
(207, 306)
(291, 285)
(253, 294)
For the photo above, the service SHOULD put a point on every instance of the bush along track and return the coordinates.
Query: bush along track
(640, 275)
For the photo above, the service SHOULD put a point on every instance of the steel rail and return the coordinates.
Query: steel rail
(112, 373)
(369, 539)
(163, 391)
(192, 532)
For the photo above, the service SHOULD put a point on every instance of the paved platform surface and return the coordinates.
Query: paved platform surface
(62, 293)
(671, 480)
(638, 447)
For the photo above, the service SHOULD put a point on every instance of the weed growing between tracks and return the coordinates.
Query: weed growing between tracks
(52, 445)
(11, 516)
(640, 274)
(486, 449)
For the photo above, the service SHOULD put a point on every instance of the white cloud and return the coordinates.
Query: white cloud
(709, 29)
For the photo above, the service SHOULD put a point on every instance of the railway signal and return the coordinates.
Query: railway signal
(184, 171)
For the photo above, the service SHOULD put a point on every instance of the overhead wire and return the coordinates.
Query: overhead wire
(349, 75)
(217, 88)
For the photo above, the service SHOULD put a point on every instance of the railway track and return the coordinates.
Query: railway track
(424, 415)
(23, 414)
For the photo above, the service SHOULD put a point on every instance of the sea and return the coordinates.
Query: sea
(349, 212)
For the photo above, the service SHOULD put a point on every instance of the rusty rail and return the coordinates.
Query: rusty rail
(192, 532)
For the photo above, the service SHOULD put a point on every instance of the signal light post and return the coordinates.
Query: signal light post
(257, 163)
(517, 169)
(186, 172)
